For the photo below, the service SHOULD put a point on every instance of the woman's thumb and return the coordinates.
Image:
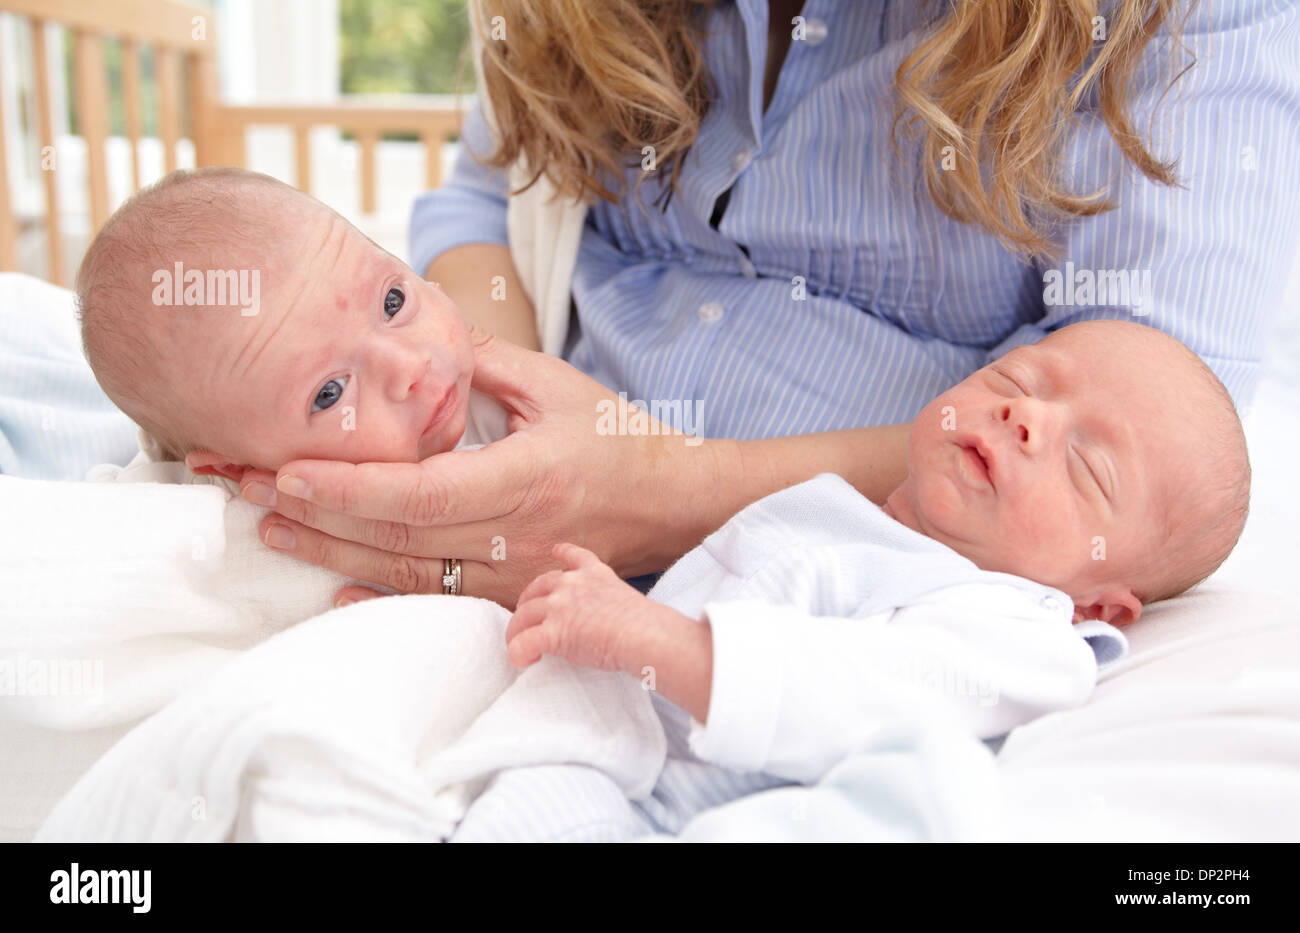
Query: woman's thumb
(504, 370)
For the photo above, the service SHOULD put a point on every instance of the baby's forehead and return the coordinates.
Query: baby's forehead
(1125, 375)
(1123, 355)
(1113, 335)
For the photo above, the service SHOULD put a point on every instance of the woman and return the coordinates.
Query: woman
(852, 206)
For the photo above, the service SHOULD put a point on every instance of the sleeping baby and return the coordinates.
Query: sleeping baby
(1049, 496)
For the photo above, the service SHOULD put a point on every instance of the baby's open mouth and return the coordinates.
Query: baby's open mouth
(976, 466)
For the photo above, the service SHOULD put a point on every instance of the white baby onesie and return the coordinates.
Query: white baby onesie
(832, 622)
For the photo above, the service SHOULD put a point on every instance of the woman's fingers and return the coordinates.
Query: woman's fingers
(556, 477)
(355, 594)
(473, 540)
(400, 572)
(450, 488)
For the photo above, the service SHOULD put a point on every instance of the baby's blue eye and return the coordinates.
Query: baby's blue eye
(393, 302)
(329, 393)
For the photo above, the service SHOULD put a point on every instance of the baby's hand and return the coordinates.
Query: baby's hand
(584, 614)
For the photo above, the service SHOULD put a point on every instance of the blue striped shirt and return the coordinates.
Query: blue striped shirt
(835, 294)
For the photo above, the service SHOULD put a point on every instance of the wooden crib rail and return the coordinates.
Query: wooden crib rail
(368, 118)
(178, 32)
(169, 23)
(182, 39)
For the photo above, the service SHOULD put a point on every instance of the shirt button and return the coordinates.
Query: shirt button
(1051, 603)
(741, 161)
(747, 268)
(710, 311)
(815, 32)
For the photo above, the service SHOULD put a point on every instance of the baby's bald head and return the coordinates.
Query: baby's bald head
(1205, 511)
(1196, 457)
(206, 219)
(1106, 460)
(337, 351)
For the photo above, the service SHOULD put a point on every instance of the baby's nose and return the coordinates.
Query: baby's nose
(1035, 426)
(406, 367)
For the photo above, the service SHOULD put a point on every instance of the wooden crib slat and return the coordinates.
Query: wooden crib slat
(8, 225)
(92, 112)
(131, 105)
(44, 119)
(169, 114)
(367, 139)
(432, 159)
(201, 72)
(302, 147)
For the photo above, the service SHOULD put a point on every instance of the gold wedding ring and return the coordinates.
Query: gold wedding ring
(451, 576)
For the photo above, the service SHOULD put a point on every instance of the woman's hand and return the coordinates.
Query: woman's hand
(637, 501)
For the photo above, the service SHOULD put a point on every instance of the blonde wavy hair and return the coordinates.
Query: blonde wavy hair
(579, 87)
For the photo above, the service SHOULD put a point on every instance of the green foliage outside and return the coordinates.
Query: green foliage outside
(404, 47)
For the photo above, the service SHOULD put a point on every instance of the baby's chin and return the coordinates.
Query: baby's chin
(447, 438)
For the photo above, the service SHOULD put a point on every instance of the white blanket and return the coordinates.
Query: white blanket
(163, 587)
(380, 721)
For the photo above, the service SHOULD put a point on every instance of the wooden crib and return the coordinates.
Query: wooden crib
(182, 40)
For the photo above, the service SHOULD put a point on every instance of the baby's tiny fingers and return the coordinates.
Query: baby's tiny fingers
(526, 616)
(575, 557)
(527, 648)
(542, 584)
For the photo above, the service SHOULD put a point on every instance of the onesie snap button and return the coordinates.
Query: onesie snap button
(710, 311)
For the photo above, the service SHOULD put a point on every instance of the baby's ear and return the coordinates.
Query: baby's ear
(210, 463)
(1117, 606)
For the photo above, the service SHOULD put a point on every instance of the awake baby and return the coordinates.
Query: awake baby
(344, 353)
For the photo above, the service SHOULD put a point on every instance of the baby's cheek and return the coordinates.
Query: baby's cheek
(1048, 543)
(455, 335)
(340, 429)
(339, 433)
